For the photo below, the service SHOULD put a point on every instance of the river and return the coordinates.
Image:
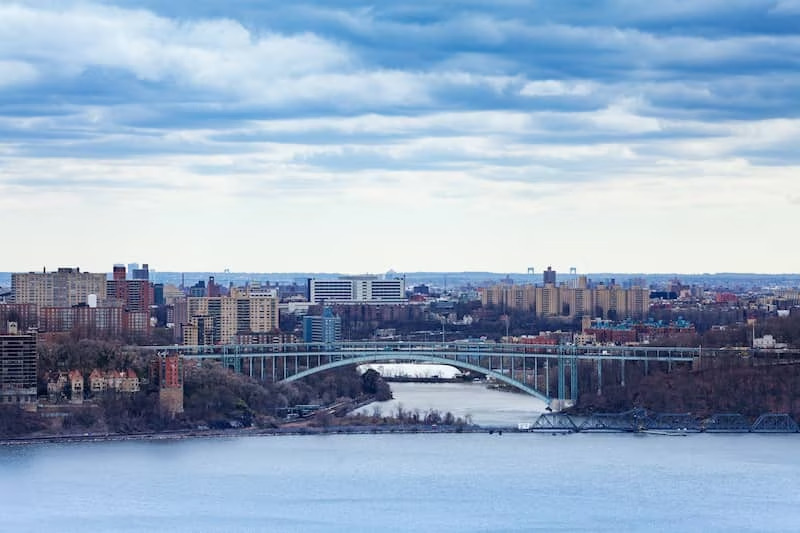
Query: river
(484, 406)
(406, 482)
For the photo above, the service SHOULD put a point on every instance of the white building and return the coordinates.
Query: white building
(358, 290)
(767, 342)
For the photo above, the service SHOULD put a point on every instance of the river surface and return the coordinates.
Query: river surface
(406, 482)
(484, 406)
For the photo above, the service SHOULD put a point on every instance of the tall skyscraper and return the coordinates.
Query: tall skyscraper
(18, 360)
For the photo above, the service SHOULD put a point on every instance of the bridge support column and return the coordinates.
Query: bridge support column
(599, 377)
(573, 379)
(558, 405)
(547, 377)
(622, 371)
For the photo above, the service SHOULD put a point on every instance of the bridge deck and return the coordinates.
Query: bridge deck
(358, 349)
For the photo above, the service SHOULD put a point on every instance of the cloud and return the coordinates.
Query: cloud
(17, 73)
(396, 118)
(555, 88)
(218, 55)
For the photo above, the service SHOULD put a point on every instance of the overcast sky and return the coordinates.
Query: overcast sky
(356, 137)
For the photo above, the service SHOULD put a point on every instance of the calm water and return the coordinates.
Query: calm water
(486, 407)
(437, 482)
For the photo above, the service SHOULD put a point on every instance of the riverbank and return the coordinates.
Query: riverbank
(479, 408)
(256, 432)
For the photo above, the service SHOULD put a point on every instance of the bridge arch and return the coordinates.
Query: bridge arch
(394, 357)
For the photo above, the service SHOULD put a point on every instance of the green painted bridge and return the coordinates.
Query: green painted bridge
(545, 371)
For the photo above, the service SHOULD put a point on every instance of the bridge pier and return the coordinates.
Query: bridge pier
(573, 378)
(547, 377)
(560, 404)
(599, 376)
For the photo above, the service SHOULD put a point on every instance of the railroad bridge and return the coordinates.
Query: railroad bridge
(547, 372)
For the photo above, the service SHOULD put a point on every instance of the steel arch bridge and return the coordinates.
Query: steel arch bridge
(528, 368)
(389, 358)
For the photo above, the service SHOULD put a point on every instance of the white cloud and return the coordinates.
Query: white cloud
(622, 116)
(213, 54)
(556, 88)
(17, 73)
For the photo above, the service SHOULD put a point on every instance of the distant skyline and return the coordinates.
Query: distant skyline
(353, 137)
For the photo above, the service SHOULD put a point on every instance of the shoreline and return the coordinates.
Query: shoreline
(251, 432)
(399, 429)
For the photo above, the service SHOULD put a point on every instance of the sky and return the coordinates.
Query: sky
(350, 136)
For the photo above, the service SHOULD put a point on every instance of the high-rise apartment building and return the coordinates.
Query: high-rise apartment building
(510, 297)
(325, 329)
(18, 360)
(604, 300)
(219, 319)
(357, 290)
(24, 316)
(88, 322)
(132, 294)
(548, 300)
(577, 301)
(638, 301)
(64, 288)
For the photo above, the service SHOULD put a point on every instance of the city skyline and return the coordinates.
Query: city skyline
(348, 137)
